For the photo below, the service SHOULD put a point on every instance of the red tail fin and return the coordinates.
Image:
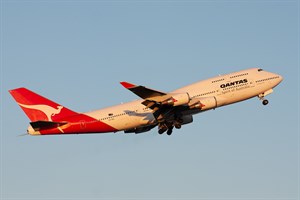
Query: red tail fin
(38, 108)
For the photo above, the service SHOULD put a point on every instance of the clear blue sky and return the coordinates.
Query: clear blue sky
(76, 52)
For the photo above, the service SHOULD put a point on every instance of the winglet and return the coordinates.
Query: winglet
(127, 85)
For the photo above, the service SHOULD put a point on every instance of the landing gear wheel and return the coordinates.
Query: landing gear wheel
(178, 126)
(265, 102)
(161, 131)
(169, 132)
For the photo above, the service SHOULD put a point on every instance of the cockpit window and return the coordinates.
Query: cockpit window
(260, 70)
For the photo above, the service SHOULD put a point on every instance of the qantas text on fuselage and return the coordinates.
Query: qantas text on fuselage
(165, 110)
(234, 83)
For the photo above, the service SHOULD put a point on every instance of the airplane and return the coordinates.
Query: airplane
(165, 110)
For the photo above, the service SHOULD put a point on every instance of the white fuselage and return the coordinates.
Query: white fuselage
(226, 89)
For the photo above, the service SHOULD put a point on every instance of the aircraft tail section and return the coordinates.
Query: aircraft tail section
(39, 108)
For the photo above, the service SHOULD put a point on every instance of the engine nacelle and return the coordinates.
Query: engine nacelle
(204, 103)
(208, 103)
(177, 99)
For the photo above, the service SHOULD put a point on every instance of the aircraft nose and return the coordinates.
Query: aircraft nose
(280, 78)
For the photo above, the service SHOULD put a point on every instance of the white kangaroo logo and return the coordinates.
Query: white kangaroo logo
(47, 110)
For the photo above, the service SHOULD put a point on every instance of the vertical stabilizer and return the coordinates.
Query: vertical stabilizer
(39, 108)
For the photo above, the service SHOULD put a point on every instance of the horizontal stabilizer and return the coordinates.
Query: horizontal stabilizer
(46, 125)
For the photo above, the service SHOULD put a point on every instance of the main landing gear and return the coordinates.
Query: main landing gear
(163, 128)
(169, 127)
(170, 130)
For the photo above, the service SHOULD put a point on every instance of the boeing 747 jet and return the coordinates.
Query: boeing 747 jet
(165, 110)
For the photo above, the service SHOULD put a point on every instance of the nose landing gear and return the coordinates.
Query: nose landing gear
(265, 102)
(262, 98)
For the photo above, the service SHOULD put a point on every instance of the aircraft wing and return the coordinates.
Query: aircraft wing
(150, 96)
(142, 91)
(162, 104)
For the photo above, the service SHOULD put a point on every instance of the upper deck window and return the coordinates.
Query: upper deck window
(260, 70)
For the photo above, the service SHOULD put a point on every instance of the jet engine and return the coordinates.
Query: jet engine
(177, 99)
(204, 103)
